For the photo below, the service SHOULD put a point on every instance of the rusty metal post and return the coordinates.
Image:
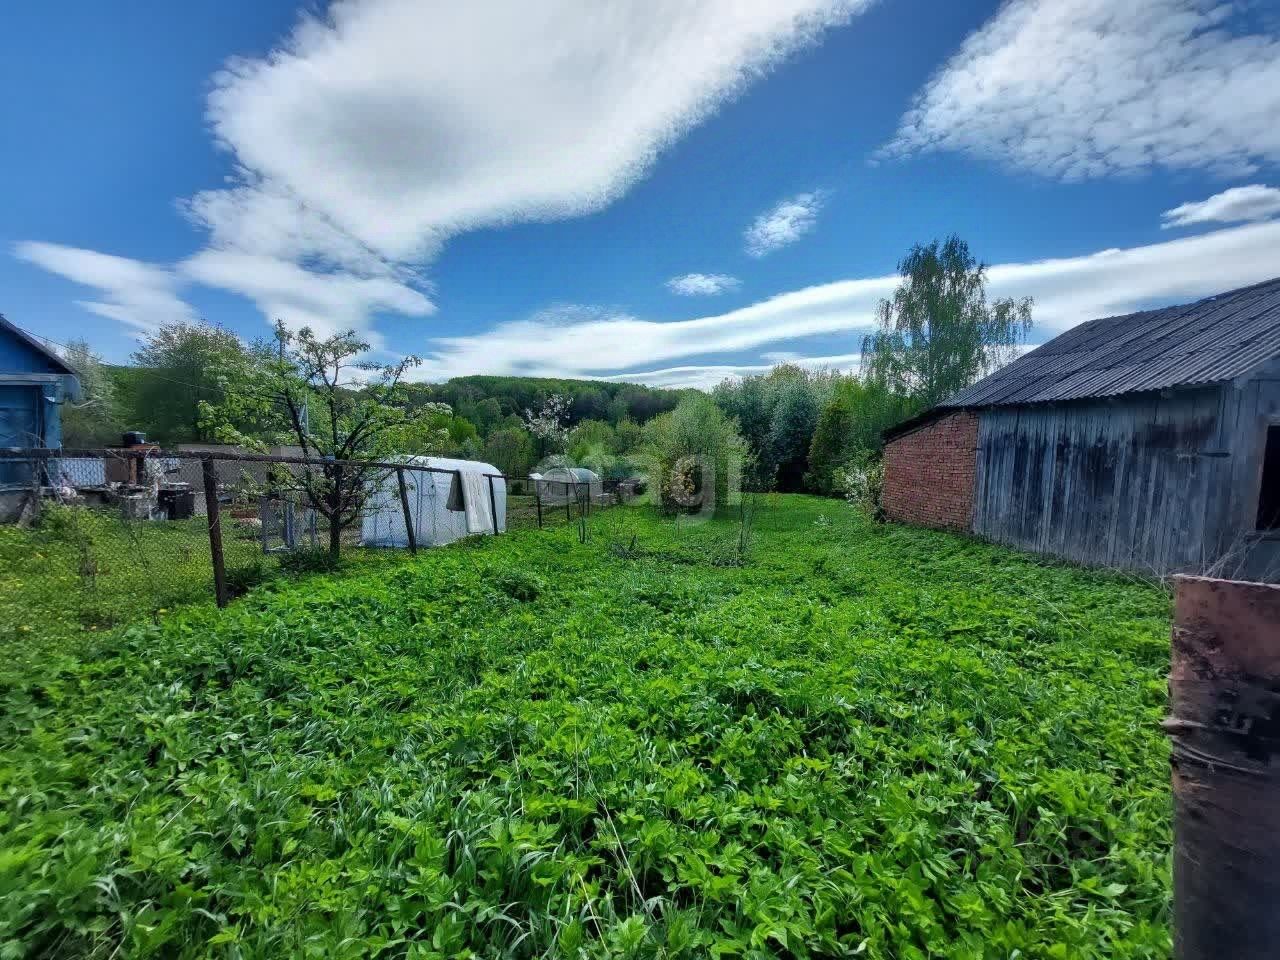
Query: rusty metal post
(537, 495)
(212, 514)
(408, 514)
(1224, 693)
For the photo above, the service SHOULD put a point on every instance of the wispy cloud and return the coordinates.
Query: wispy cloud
(1067, 291)
(380, 128)
(784, 224)
(140, 295)
(702, 284)
(327, 302)
(706, 376)
(376, 132)
(1087, 88)
(1237, 205)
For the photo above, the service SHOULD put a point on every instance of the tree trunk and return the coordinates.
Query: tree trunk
(335, 539)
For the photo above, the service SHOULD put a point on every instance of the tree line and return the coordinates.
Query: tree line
(791, 429)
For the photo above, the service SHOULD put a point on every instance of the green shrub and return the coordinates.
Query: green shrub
(307, 560)
(243, 577)
(861, 482)
(520, 585)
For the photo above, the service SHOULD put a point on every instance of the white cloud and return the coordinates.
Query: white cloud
(704, 377)
(702, 284)
(387, 126)
(326, 302)
(141, 295)
(580, 342)
(608, 343)
(1239, 204)
(1087, 88)
(786, 223)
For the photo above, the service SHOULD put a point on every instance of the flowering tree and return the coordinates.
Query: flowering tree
(549, 424)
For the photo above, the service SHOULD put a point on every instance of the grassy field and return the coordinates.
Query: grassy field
(842, 740)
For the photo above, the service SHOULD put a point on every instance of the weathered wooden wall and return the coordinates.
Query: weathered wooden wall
(1136, 482)
(1249, 407)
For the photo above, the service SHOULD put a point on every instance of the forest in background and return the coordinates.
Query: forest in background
(793, 429)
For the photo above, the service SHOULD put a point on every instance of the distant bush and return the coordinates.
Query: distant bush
(243, 577)
(861, 482)
(688, 445)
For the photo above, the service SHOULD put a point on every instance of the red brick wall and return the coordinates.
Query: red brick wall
(929, 473)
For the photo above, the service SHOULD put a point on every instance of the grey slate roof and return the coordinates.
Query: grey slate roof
(1214, 339)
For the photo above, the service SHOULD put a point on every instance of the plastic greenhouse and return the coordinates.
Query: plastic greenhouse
(444, 506)
(561, 485)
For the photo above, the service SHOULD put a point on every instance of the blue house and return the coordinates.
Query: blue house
(34, 384)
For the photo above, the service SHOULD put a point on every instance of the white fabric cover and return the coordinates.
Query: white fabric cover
(475, 494)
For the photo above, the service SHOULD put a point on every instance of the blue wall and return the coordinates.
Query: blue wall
(17, 356)
(31, 407)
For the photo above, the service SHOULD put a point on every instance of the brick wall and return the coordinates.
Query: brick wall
(929, 473)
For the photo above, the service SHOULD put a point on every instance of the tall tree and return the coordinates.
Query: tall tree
(549, 424)
(939, 334)
(795, 416)
(178, 366)
(93, 420)
(511, 450)
(776, 414)
(832, 441)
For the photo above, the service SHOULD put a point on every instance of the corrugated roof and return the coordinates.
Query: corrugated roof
(1196, 343)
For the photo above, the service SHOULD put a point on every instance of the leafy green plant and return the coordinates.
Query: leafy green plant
(307, 560)
(243, 577)
(870, 741)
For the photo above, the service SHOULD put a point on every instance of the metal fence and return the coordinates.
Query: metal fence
(106, 531)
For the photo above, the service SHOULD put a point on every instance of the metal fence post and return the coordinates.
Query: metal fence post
(537, 496)
(210, 472)
(1224, 701)
(493, 505)
(408, 516)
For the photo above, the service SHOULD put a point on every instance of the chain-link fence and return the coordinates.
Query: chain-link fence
(103, 536)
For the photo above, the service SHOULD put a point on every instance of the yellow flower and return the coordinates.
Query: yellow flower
(24, 628)
(162, 610)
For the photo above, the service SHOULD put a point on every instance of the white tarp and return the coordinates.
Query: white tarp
(434, 523)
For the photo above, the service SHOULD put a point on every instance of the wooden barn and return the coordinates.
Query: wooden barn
(1149, 441)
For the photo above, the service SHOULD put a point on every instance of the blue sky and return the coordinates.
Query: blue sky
(657, 190)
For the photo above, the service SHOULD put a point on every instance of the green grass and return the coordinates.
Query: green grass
(84, 570)
(853, 741)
